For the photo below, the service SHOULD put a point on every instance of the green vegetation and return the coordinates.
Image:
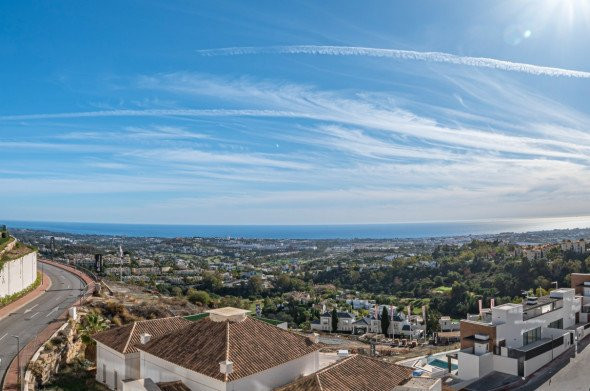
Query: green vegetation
(90, 325)
(452, 279)
(334, 320)
(194, 318)
(19, 250)
(9, 299)
(385, 321)
(274, 322)
(75, 377)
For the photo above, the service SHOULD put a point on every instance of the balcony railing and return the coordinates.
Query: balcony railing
(536, 351)
(541, 309)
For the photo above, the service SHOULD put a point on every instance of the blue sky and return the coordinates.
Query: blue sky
(294, 112)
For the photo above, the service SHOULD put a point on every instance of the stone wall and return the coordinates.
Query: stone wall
(63, 347)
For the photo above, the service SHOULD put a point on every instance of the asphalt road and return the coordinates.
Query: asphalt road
(34, 317)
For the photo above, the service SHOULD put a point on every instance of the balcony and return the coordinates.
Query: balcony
(541, 309)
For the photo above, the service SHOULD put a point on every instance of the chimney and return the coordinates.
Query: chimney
(226, 367)
(314, 338)
(144, 338)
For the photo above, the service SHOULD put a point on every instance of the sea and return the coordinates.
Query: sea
(333, 231)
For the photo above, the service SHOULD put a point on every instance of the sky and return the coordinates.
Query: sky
(265, 112)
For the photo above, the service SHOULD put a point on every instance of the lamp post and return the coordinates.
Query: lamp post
(18, 358)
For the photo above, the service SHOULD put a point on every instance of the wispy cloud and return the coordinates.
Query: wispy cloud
(481, 62)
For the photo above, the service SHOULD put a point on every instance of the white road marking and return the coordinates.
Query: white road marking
(32, 316)
(57, 298)
(52, 311)
(2, 337)
(31, 309)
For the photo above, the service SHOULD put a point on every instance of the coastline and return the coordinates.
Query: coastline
(314, 232)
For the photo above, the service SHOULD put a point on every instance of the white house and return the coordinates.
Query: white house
(117, 356)
(345, 322)
(447, 324)
(400, 324)
(229, 351)
(518, 339)
(225, 351)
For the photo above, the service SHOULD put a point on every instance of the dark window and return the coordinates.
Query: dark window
(558, 324)
(531, 336)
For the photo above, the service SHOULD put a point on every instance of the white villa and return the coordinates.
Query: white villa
(225, 351)
(345, 322)
(518, 339)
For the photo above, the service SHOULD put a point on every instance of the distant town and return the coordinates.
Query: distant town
(496, 308)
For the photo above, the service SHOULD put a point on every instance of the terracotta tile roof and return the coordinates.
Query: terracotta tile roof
(252, 346)
(353, 373)
(173, 386)
(125, 339)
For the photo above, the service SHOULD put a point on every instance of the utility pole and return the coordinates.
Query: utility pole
(120, 263)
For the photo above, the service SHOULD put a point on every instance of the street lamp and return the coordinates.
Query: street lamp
(18, 356)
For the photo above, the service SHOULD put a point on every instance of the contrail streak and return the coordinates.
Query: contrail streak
(156, 113)
(480, 62)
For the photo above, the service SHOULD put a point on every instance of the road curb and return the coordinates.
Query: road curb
(10, 381)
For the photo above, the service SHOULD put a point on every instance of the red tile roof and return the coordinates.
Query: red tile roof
(125, 339)
(252, 345)
(353, 373)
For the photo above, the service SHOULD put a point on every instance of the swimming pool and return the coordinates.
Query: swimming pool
(442, 364)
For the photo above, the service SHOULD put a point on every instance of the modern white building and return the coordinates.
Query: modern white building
(518, 339)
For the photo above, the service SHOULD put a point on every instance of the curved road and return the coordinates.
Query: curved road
(34, 317)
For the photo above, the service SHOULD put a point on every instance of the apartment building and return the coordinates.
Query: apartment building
(577, 246)
(580, 282)
(518, 339)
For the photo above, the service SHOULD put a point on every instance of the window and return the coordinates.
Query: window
(558, 324)
(531, 336)
(116, 380)
(104, 373)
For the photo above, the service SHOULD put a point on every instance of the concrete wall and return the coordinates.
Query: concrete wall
(18, 274)
(472, 366)
(532, 365)
(159, 370)
(163, 371)
(109, 362)
(506, 365)
(279, 375)
(132, 366)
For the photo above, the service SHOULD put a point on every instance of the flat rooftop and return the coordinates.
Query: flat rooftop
(541, 301)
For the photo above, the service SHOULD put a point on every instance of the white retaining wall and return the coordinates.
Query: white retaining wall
(18, 274)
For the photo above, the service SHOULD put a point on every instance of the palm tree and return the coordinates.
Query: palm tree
(90, 325)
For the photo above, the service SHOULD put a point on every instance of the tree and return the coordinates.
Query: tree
(255, 285)
(198, 297)
(334, 320)
(90, 325)
(385, 321)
